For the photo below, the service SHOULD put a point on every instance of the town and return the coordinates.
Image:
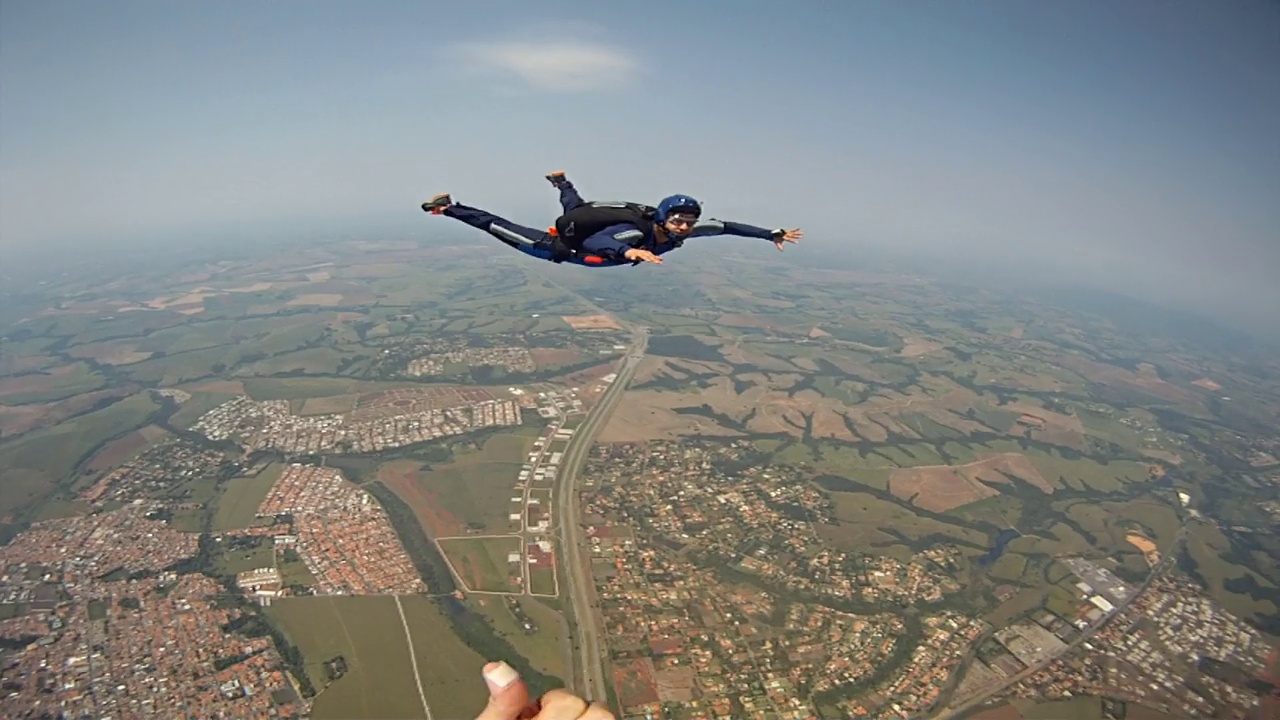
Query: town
(717, 581)
(516, 359)
(112, 632)
(379, 422)
(343, 535)
(1173, 649)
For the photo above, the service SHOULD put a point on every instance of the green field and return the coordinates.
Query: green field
(1026, 601)
(293, 571)
(476, 485)
(53, 384)
(241, 497)
(1111, 522)
(1206, 544)
(261, 388)
(542, 580)
(1086, 474)
(312, 361)
(33, 465)
(245, 559)
(858, 511)
(368, 632)
(197, 405)
(542, 647)
(482, 562)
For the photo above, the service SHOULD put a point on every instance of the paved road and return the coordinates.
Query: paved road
(589, 674)
(1165, 563)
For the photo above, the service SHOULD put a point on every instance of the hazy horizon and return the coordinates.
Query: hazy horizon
(1126, 146)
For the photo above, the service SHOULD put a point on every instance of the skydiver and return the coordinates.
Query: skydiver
(509, 700)
(606, 234)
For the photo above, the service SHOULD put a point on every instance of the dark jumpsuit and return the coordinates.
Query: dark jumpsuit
(603, 249)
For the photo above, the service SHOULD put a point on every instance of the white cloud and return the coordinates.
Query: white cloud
(557, 67)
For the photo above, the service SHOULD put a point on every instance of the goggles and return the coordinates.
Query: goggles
(682, 219)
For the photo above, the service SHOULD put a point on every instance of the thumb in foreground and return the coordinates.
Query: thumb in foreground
(508, 695)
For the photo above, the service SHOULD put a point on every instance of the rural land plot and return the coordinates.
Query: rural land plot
(542, 568)
(476, 486)
(35, 463)
(240, 499)
(539, 507)
(367, 633)
(449, 669)
(856, 511)
(485, 564)
(260, 554)
(1087, 474)
(542, 645)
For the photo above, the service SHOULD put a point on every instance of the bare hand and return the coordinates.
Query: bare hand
(509, 700)
(634, 254)
(791, 236)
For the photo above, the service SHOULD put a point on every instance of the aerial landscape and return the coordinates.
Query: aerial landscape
(873, 496)
(279, 438)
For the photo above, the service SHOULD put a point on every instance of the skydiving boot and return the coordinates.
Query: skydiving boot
(558, 179)
(437, 204)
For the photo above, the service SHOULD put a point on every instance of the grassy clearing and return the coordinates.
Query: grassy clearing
(328, 405)
(1026, 601)
(476, 485)
(541, 647)
(313, 361)
(1086, 474)
(38, 462)
(188, 520)
(118, 451)
(857, 511)
(295, 572)
(1008, 568)
(542, 580)
(1110, 522)
(197, 405)
(232, 562)
(1205, 544)
(302, 388)
(241, 497)
(49, 385)
(368, 633)
(482, 562)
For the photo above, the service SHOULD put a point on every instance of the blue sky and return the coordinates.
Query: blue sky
(1129, 143)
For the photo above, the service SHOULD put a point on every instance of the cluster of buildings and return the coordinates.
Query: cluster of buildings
(763, 522)
(721, 600)
(152, 647)
(939, 653)
(516, 359)
(78, 549)
(1095, 595)
(271, 425)
(342, 534)
(165, 465)
(1173, 649)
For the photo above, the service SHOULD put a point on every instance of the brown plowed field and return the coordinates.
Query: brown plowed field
(939, 488)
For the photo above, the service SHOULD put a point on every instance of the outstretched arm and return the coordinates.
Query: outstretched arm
(711, 226)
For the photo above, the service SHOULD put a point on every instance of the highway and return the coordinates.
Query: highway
(590, 679)
(1166, 562)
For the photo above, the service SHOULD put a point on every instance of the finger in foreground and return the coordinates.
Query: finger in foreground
(562, 705)
(508, 695)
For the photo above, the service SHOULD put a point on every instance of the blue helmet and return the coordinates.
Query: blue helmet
(678, 203)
